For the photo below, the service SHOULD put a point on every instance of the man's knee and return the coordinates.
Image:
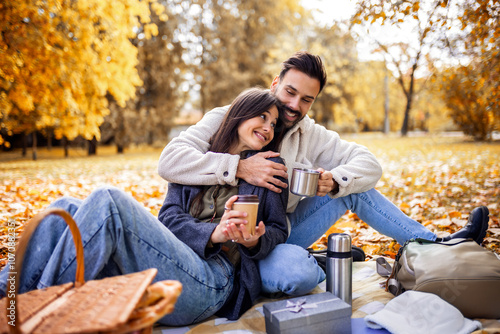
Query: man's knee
(299, 272)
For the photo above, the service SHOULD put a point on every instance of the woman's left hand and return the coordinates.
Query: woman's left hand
(233, 225)
(248, 240)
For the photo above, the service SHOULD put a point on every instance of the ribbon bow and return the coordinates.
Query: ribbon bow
(297, 306)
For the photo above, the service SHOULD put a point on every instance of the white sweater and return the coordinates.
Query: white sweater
(185, 159)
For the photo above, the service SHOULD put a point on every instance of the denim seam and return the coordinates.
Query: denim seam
(313, 211)
(32, 285)
(73, 259)
(210, 309)
(179, 265)
(389, 218)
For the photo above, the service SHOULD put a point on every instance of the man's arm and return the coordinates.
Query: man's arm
(260, 171)
(358, 169)
(350, 167)
(186, 160)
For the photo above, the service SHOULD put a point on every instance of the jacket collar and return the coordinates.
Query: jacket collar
(301, 126)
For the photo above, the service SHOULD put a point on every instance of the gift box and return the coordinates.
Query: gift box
(317, 313)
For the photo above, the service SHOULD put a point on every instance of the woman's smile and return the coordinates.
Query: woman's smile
(256, 132)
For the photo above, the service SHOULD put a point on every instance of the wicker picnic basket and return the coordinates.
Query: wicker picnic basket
(120, 304)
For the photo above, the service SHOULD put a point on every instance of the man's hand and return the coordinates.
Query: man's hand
(326, 183)
(259, 171)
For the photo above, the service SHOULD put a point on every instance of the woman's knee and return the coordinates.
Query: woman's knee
(111, 197)
(105, 192)
(67, 203)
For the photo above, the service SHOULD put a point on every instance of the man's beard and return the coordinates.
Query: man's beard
(289, 124)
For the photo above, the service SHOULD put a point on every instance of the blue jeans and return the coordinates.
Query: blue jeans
(120, 236)
(290, 269)
(315, 215)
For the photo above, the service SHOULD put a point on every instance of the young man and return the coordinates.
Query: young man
(349, 172)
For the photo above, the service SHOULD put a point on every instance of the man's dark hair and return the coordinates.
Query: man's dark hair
(307, 63)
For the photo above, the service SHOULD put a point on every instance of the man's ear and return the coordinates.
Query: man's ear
(275, 83)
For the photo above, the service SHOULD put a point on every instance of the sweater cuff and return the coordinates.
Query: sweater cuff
(345, 181)
(226, 170)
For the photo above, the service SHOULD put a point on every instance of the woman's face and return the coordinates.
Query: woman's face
(256, 132)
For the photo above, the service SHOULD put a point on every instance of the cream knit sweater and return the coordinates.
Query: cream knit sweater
(185, 159)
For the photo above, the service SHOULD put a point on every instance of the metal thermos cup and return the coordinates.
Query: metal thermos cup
(339, 266)
(304, 182)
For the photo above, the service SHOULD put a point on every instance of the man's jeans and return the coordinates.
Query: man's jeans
(120, 236)
(315, 215)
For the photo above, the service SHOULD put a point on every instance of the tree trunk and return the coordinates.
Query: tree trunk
(34, 146)
(150, 138)
(92, 146)
(49, 141)
(406, 121)
(409, 99)
(386, 104)
(119, 149)
(25, 145)
(66, 147)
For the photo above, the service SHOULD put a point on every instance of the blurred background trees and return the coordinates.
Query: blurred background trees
(457, 43)
(125, 72)
(60, 61)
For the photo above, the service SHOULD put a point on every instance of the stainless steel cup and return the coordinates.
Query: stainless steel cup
(304, 182)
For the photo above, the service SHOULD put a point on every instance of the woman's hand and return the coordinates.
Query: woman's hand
(232, 227)
(252, 240)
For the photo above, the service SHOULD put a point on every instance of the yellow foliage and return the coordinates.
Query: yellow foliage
(59, 60)
(455, 214)
(150, 30)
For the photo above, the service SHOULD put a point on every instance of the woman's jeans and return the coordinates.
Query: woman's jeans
(120, 236)
(314, 216)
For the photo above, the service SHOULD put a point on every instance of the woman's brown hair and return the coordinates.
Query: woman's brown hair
(250, 103)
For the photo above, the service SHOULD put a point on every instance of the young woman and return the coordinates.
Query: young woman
(198, 239)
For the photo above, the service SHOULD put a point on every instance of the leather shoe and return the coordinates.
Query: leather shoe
(358, 255)
(476, 226)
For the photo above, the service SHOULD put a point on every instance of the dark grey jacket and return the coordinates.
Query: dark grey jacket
(174, 214)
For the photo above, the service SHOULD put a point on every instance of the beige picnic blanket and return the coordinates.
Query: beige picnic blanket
(368, 297)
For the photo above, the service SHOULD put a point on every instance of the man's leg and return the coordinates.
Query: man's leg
(120, 236)
(290, 269)
(313, 216)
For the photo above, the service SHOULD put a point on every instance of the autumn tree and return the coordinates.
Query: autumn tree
(422, 21)
(232, 44)
(470, 33)
(59, 60)
(373, 88)
(468, 97)
(471, 89)
(337, 48)
(149, 116)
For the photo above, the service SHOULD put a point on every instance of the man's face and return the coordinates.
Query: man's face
(297, 91)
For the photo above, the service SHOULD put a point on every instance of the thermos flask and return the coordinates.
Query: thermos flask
(339, 266)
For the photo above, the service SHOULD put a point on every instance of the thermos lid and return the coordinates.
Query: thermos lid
(339, 243)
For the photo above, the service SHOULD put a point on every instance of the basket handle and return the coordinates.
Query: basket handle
(30, 227)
